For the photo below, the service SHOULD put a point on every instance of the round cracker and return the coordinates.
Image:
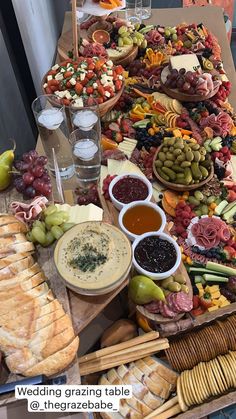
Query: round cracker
(183, 406)
(202, 382)
(211, 380)
(225, 371)
(217, 375)
(185, 391)
(203, 337)
(203, 373)
(196, 387)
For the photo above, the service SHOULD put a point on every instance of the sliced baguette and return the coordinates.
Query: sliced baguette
(7, 219)
(18, 318)
(26, 330)
(51, 330)
(23, 359)
(15, 248)
(4, 262)
(136, 404)
(140, 390)
(163, 371)
(13, 228)
(24, 274)
(18, 280)
(13, 239)
(24, 298)
(26, 285)
(55, 363)
(16, 267)
(160, 387)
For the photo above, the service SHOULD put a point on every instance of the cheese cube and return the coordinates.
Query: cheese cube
(45, 85)
(199, 286)
(109, 72)
(215, 294)
(216, 302)
(49, 77)
(188, 61)
(62, 70)
(110, 63)
(222, 299)
(108, 94)
(72, 81)
(95, 85)
(55, 67)
(68, 96)
(59, 76)
(213, 308)
(201, 292)
(120, 77)
(82, 76)
(225, 303)
(79, 102)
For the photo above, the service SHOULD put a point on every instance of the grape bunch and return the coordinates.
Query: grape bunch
(128, 36)
(33, 178)
(88, 196)
(185, 81)
(106, 183)
(170, 33)
(51, 227)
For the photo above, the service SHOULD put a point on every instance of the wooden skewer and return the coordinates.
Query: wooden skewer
(172, 402)
(114, 361)
(114, 348)
(75, 30)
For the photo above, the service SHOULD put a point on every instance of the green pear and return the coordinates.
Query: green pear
(5, 176)
(142, 290)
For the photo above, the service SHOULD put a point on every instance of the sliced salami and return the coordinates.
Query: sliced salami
(166, 311)
(153, 307)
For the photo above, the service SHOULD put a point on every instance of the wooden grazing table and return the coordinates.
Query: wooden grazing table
(85, 309)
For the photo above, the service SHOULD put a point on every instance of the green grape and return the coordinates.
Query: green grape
(56, 218)
(127, 41)
(172, 30)
(38, 235)
(122, 29)
(120, 42)
(135, 40)
(49, 210)
(66, 226)
(39, 224)
(167, 33)
(139, 43)
(144, 44)
(49, 238)
(137, 26)
(139, 35)
(174, 37)
(57, 232)
(30, 237)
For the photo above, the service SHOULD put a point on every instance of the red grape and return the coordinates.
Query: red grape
(46, 178)
(46, 189)
(19, 184)
(30, 192)
(37, 171)
(38, 184)
(186, 86)
(27, 158)
(33, 154)
(28, 178)
(42, 160)
(189, 76)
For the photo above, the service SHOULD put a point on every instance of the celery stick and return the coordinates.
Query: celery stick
(198, 279)
(192, 269)
(215, 278)
(221, 269)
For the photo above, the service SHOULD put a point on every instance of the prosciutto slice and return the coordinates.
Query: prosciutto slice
(28, 211)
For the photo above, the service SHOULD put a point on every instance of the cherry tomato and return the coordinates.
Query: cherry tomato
(91, 66)
(67, 74)
(52, 73)
(90, 75)
(78, 88)
(84, 82)
(66, 102)
(68, 85)
(119, 69)
(48, 90)
(54, 88)
(118, 84)
(89, 90)
(91, 101)
(101, 90)
(100, 100)
(53, 82)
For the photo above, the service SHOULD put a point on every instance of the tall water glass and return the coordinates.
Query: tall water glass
(86, 153)
(133, 11)
(51, 121)
(146, 9)
(85, 118)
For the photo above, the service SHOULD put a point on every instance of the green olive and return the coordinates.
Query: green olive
(174, 287)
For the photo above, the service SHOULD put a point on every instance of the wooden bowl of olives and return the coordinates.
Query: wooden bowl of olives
(182, 165)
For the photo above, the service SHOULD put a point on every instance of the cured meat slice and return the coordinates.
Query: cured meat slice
(166, 311)
(153, 307)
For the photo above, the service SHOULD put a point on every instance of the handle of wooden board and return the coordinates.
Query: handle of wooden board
(150, 336)
(165, 407)
(114, 361)
(75, 30)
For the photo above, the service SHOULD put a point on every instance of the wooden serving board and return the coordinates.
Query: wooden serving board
(44, 257)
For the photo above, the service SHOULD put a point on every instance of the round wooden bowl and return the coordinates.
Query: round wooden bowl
(65, 44)
(103, 107)
(177, 186)
(183, 97)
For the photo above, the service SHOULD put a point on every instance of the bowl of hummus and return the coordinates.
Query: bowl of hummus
(93, 258)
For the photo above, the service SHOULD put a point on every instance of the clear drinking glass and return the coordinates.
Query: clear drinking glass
(85, 118)
(146, 9)
(86, 153)
(51, 121)
(133, 11)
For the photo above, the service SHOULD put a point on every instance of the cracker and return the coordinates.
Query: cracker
(185, 390)
(203, 373)
(211, 380)
(217, 375)
(225, 371)
(183, 406)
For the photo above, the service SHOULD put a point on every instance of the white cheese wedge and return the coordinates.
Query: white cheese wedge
(115, 166)
(131, 168)
(55, 67)
(80, 213)
(188, 61)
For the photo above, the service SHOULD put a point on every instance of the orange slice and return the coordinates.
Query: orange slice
(100, 36)
(107, 143)
(106, 5)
